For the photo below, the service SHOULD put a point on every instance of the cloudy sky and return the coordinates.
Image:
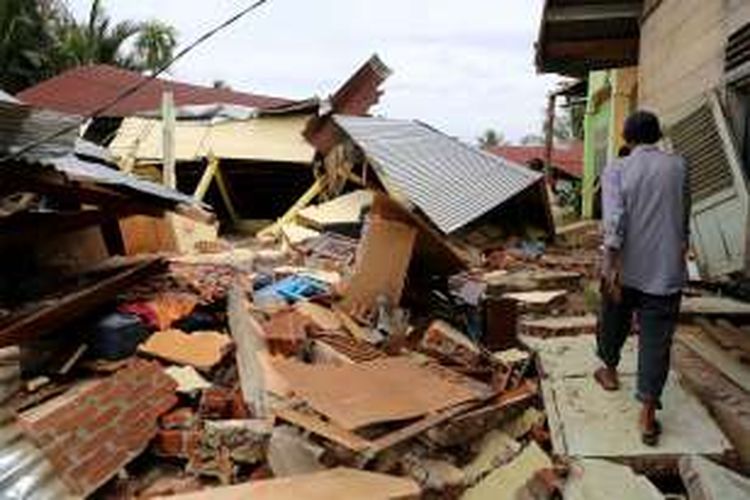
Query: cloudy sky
(460, 65)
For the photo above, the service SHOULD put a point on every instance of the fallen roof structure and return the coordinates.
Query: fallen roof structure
(452, 183)
(82, 90)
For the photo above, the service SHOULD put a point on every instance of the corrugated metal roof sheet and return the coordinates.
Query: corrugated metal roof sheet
(25, 473)
(21, 125)
(451, 182)
(268, 138)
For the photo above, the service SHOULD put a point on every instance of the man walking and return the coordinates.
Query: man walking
(646, 207)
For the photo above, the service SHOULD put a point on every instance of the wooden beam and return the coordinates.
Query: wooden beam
(221, 182)
(206, 178)
(73, 306)
(613, 49)
(597, 12)
(301, 203)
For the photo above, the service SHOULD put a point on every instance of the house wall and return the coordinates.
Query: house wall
(682, 54)
(612, 96)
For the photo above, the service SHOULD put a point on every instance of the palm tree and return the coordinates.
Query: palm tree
(490, 139)
(154, 45)
(25, 42)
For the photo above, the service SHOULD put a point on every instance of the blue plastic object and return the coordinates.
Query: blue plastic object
(293, 289)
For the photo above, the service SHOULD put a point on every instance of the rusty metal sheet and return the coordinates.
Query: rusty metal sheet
(377, 391)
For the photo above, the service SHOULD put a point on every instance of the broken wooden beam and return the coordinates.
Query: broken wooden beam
(74, 305)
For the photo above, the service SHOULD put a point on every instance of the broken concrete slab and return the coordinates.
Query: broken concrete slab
(591, 479)
(202, 350)
(332, 484)
(559, 326)
(188, 379)
(504, 482)
(495, 449)
(596, 423)
(290, 454)
(246, 440)
(538, 301)
(575, 356)
(500, 282)
(521, 425)
(706, 480)
(434, 476)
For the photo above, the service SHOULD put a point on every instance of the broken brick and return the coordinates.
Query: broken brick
(88, 433)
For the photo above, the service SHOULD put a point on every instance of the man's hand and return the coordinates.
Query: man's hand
(612, 275)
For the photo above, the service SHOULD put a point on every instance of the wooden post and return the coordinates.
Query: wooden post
(208, 176)
(224, 190)
(169, 123)
(549, 139)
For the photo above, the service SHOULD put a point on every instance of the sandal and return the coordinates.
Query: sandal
(605, 381)
(651, 437)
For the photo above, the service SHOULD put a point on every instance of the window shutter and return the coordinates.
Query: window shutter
(697, 138)
(737, 57)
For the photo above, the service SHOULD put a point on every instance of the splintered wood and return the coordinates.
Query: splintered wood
(386, 390)
(383, 259)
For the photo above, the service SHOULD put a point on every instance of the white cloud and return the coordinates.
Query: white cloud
(462, 66)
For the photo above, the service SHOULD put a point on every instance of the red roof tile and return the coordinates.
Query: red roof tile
(82, 90)
(568, 159)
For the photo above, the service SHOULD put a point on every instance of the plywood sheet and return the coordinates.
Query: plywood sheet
(576, 356)
(559, 326)
(706, 480)
(346, 209)
(383, 259)
(376, 391)
(333, 484)
(596, 423)
(203, 350)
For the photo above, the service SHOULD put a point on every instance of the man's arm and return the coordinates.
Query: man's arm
(686, 203)
(614, 221)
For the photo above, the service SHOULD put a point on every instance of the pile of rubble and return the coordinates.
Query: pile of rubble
(332, 366)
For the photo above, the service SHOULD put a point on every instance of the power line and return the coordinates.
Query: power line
(137, 86)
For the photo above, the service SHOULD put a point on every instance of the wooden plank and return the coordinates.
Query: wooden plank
(713, 306)
(422, 425)
(328, 430)
(74, 305)
(221, 182)
(383, 259)
(716, 356)
(208, 175)
(729, 404)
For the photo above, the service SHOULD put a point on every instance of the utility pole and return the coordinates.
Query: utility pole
(169, 123)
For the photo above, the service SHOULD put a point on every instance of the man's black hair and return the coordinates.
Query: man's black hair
(642, 127)
(624, 151)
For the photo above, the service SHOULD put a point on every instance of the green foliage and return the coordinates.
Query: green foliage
(40, 38)
(491, 138)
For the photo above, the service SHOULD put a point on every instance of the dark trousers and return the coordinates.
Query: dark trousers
(657, 318)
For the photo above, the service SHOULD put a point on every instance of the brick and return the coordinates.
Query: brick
(181, 418)
(91, 431)
(216, 402)
(176, 443)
